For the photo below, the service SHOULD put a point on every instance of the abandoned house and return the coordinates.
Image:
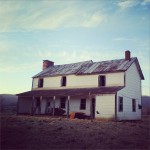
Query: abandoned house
(106, 89)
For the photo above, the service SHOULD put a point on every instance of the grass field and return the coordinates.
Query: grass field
(44, 132)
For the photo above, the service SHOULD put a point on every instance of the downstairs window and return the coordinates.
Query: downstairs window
(83, 104)
(120, 104)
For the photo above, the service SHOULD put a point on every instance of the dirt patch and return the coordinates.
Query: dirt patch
(44, 132)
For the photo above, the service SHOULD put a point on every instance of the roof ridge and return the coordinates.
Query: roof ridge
(75, 63)
(113, 60)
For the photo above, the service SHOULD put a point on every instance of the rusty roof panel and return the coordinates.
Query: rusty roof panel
(90, 67)
(108, 66)
(63, 69)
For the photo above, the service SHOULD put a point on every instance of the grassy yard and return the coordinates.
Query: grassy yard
(44, 132)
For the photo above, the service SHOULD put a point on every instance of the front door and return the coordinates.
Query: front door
(49, 106)
(37, 108)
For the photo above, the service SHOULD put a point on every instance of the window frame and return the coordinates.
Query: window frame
(64, 81)
(40, 83)
(120, 104)
(101, 80)
(83, 104)
(133, 105)
(63, 102)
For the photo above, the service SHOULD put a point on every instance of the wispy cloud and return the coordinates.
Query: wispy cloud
(126, 39)
(4, 46)
(123, 5)
(37, 15)
(24, 67)
(127, 4)
(64, 56)
(145, 2)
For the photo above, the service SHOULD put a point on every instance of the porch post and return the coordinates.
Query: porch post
(68, 106)
(91, 112)
(54, 105)
(40, 104)
(32, 106)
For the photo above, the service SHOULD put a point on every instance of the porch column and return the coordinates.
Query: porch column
(39, 109)
(32, 106)
(54, 105)
(91, 112)
(68, 106)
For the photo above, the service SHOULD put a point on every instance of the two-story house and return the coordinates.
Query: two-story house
(107, 89)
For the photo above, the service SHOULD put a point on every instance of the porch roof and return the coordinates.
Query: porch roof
(72, 92)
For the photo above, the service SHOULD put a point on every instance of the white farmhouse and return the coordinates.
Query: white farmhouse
(107, 89)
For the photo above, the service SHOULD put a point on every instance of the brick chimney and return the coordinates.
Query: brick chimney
(47, 63)
(127, 55)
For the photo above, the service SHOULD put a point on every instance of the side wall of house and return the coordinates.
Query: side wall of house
(131, 91)
(105, 106)
(80, 81)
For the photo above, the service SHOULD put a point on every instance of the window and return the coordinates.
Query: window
(83, 104)
(40, 83)
(102, 81)
(63, 81)
(120, 103)
(133, 105)
(63, 103)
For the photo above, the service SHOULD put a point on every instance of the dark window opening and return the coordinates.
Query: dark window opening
(38, 102)
(48, 103)
(63, 103)
(102, 80)
(83, 104)
(63, 81)
(40, 83)
(133, 105)
(120, 103)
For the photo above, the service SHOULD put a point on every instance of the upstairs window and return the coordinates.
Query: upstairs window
(120, 104)
(102, 81)
(133, 105)
(83, 104)
(63, 81)
(40, 83)
(63, 103)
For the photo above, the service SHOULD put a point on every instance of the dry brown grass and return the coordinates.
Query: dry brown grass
(44, 132)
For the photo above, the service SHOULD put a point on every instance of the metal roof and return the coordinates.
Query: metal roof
(72, 92)
(90, 67)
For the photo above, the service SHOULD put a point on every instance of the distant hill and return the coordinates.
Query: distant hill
(8, 103)
(145, 105)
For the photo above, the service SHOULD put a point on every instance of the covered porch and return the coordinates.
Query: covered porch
(70, 100)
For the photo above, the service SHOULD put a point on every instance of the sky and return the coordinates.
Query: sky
(69, 31)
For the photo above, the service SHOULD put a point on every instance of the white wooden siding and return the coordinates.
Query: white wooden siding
(35, 83)
(74, 105)
(105, 105)
(81, 81)
(132, 90)
(115, 79)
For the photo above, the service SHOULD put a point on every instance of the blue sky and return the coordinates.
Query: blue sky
(68, 31)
